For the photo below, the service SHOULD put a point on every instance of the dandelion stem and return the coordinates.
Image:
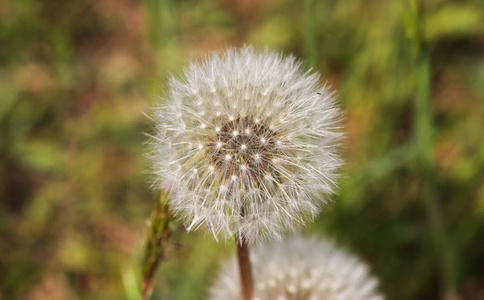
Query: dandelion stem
(245, 269)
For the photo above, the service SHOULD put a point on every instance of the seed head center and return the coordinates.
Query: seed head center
(242, 146)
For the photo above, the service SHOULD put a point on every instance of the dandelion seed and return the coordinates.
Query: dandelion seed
(299, 269)
(258, 88)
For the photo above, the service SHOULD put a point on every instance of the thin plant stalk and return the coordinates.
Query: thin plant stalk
(310, 51)
(162, 16)
(156, 244)
(423, 138)
(245, 269)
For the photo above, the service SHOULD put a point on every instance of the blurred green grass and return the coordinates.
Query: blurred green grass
(77, 76)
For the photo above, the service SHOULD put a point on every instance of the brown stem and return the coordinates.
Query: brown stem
(146, 289)
(245, 268)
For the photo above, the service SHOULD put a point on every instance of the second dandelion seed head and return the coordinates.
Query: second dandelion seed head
(300, 268)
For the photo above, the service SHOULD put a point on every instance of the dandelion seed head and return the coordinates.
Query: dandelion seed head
(299, 269)
(244, 93)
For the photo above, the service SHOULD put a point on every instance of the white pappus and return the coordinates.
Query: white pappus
(300, 269)
(246, 144)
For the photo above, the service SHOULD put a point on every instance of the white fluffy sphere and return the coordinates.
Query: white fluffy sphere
(300, 269)
(246, 144)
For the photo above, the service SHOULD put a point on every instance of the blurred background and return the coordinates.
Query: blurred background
(77, 76)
